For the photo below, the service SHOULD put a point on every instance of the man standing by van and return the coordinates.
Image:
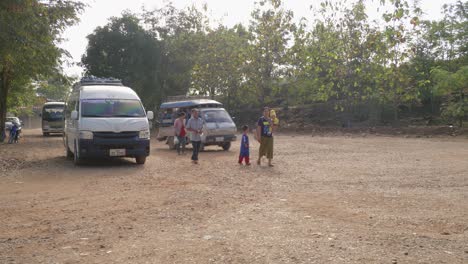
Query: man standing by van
(195, 127)
(265, 136)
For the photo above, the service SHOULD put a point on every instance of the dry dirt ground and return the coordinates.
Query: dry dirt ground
(328, 200)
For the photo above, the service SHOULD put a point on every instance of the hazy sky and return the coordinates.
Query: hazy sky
(229, 12)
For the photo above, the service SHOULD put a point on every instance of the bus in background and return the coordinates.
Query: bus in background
(52, 118)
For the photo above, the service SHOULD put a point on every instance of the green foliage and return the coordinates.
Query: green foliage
(21, 97)
(181, 33)
(339, 57)
(123, 49)
(211, 75)
(55, 87)
(453, 87)
(271, 29)
(29, 32)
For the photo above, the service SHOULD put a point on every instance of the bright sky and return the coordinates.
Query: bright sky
(229, 12)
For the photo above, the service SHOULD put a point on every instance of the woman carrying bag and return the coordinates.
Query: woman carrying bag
(180, 133)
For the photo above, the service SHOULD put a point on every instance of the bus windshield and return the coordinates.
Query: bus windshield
(112, 108)
(52, 112)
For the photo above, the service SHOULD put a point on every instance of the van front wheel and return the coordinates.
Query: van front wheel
(76, 157)
(226, 146)
(140, 160)
(69, 153)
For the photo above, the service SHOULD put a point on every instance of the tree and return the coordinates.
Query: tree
(454, 87)
(55, 87)
(219, 68)
(398, 48)
(334, 62)
(123, 49)
(22, 97)
(181, 33)
(29, 32)
(441, 44)
(271, 30)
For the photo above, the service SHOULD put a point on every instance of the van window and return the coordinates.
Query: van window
(216, 116)
(111, 108)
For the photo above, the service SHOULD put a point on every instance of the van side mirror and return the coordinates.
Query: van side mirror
(74, 115)
(150, 115)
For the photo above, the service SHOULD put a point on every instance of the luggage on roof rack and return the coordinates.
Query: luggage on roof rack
(91, 80)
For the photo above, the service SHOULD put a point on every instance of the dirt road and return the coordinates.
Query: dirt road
(327, 200)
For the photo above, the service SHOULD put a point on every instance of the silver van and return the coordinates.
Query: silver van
(219, 129)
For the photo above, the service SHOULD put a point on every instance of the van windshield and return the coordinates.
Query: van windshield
(111, 108)
(52, 112)
(216, 116)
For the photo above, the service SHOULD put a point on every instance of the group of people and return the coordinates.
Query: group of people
(194, 127)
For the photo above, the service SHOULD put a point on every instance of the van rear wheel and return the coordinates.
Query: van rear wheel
(140, 159)
(45, 134)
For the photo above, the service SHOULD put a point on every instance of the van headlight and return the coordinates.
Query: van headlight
(86, 135)
(144, 134)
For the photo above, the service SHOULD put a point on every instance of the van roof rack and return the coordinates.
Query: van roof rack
(186, 98)
(92, 80)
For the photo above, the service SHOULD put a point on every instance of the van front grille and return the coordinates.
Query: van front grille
(114, 135)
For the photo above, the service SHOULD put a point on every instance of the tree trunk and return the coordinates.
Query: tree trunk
(396, 101)
(395, 113)
(4, 88)
(212, 96)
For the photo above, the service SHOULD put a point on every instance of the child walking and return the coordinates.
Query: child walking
(244, 149)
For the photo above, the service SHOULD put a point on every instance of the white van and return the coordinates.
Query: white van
(219, 129)
(103, 118)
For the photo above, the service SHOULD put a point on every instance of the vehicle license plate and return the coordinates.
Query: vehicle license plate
(219, 139)
(116, 152)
